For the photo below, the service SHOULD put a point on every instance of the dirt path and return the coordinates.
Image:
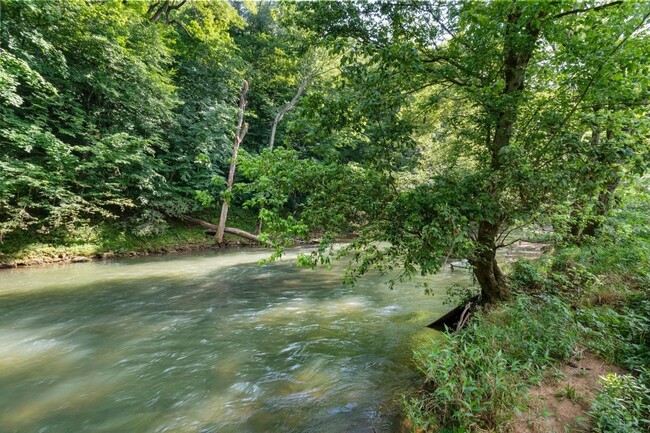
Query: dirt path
(561, 404)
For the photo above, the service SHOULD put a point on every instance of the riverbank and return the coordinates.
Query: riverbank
(103, 242)
(569, 352)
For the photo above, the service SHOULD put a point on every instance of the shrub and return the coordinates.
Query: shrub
(620, 335)
(622, 406)
(475, 378)
(526, 276)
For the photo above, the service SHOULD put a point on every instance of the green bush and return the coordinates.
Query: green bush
(628, 260)
(527, 276)
(619, 334)
(567, 277)
(622, 406)
(476, 378)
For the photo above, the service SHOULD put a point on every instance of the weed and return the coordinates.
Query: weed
(569, 392)
(623, 405)
(583, 373)
(620, 335)
(527, 276)
(476, 378)
(555, 374)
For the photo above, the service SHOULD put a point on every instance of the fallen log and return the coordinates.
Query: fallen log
(206, 225)
(456, 319)
(233, 231)
(244, 234)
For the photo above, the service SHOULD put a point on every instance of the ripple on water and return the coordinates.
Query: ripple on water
(206, 343)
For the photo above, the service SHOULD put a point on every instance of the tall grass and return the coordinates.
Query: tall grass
(476, 379)
(596, 295)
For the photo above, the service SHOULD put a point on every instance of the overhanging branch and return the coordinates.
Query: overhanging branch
(577, 11)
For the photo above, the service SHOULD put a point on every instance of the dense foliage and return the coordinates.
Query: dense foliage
(125, 110)
(421, 130)
(425, 129)
(474, 380)
(594, 297)
(522, 113)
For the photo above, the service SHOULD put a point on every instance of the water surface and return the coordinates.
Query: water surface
(207, 342)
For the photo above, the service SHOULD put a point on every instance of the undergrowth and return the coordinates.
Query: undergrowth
(112, 236)
(89, 240)
(623, 404)
(476, 378)
(594, 296)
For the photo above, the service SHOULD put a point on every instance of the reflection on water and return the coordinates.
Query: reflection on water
(206, 343)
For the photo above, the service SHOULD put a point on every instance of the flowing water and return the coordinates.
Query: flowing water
(209, 342)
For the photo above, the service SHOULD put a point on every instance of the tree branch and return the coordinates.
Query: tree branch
(165, 7)
(181, 25)
(597, 8)
(177, 5)
(288, 107)
(152, 7)
(160, 11)
(593, 79)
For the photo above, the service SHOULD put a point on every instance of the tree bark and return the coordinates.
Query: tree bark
(485, 266)
(243, 234)
(231, 230)
(519, 45)
(288, 107)
(242, 128)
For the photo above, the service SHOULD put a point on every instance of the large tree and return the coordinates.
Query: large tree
(491, 63)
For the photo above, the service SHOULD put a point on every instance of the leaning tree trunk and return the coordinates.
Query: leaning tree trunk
(276, 121)
(239, 137)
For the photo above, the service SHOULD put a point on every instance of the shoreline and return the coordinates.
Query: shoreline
(64, 258)
(525, 248)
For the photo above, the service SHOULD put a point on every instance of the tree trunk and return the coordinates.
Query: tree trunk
(233, 231)
(288, 107)
(603, 203)
(242, 128)
(603, 206)
(243, 234)
(519, 44)
(260, 224)
(278, 117)
(486, 269)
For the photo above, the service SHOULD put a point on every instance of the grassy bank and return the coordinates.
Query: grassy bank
(575, 302)
(109, 238)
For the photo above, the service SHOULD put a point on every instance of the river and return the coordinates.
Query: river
(207, 342)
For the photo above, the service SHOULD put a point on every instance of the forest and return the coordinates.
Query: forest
(418, 131)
